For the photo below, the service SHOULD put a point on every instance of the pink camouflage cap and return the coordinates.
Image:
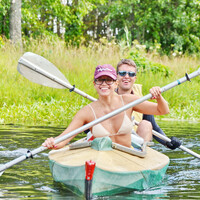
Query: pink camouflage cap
(105, 70)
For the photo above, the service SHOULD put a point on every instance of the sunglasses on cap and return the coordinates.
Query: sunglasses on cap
(123, 73)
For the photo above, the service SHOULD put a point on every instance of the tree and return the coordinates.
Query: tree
(4, 17)
(15, 22)
(167, 25)
(172, 25)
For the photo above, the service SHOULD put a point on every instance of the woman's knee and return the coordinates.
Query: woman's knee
(146, 124)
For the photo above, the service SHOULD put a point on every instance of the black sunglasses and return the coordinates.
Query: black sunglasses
(123, 73)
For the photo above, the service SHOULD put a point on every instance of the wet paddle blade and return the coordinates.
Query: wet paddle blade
(39, 70)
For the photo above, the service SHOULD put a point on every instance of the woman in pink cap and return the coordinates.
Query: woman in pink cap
(118, 127)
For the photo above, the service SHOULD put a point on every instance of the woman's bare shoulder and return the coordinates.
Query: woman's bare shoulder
(85, 113)
(86, 109)
(129, 97)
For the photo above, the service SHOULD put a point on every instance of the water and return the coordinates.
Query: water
(31, 179)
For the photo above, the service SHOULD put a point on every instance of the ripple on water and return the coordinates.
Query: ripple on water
(47, 189)
(17, 153)
(14, 153)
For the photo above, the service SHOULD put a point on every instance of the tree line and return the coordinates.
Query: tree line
(165, 25)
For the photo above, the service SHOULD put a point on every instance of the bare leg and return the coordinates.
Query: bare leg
(144, 130)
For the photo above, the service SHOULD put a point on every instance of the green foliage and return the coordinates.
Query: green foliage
(50, 17)
(39, 18)
(40, 112)
(74, 33)
(144, 65)
(74, 29)
(4, 7)
(172, 25)
(4, 17)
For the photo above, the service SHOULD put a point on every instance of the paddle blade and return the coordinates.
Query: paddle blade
(39, 70)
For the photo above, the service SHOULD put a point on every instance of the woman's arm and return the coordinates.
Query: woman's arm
(150, 108)
(79, 120)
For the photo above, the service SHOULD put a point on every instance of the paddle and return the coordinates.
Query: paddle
(96, 121)
(32, 65)
(165, 138)
(39, 70)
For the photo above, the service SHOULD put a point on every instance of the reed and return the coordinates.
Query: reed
(24, 102)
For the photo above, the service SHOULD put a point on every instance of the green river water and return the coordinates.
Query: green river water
(31, 179)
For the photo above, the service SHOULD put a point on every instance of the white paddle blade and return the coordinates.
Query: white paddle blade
(39, 70)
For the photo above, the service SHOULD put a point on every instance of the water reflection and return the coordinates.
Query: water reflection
(31, 179)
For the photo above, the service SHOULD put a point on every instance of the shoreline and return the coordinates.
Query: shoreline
(64, 125)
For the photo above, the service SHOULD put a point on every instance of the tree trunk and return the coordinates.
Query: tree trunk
(95, 34)
(15, 22)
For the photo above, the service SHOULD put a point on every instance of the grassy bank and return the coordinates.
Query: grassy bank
(24, 102)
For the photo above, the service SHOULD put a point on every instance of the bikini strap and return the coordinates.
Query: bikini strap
(92, 111)
(123, 102)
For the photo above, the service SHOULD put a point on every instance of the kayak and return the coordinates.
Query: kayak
(118, 169)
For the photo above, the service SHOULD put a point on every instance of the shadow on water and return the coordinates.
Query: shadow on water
(32, 179)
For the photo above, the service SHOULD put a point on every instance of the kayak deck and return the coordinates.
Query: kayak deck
(115, 172)
(113, 160)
